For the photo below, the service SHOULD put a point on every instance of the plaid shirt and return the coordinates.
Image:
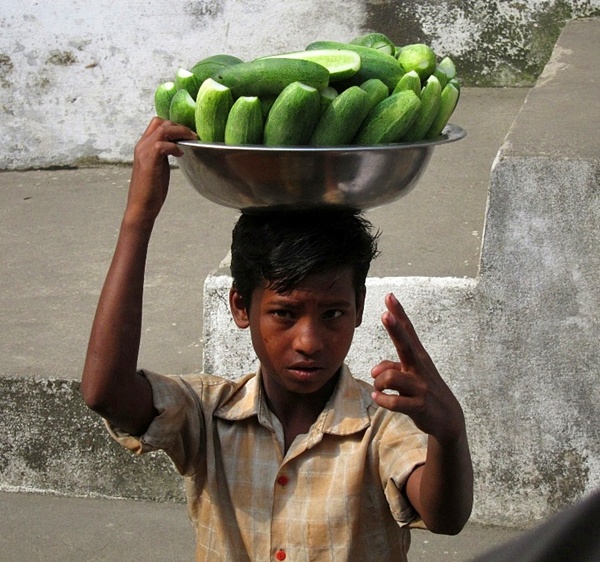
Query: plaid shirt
(336, 494)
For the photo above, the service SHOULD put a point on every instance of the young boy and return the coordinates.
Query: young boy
(299, 461)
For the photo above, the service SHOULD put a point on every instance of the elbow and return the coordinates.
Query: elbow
(452, 525)
(93, 397)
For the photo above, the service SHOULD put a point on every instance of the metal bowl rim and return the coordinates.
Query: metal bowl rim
(451, 133)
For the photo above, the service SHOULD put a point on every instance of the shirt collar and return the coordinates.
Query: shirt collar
(345, 413)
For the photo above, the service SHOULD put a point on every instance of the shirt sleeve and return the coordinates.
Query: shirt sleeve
(178, 429)
(403, 447)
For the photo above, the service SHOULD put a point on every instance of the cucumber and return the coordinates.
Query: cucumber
(185, 80)
(245, 122)
(213, 104)
(410, 81)
(377, 41)
(327, 96)
(206, 67)
(376, 90)
(418, 57)
(431, 96)
(182, 109)
(389, 120)
(340, 123)
(162, 98)
(294, 116)
(268, 77)
(445, 71)
(341, 64)
(448, 101)
(266, 103)
(373, 64)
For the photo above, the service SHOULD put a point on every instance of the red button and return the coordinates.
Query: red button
(280, 555)
(282, 481)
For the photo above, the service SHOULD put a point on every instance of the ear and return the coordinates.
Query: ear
(238, 308)
(360, 305)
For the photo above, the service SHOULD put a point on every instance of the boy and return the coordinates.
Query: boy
(299, 461)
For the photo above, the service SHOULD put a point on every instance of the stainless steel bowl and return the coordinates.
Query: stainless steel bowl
(256, 177)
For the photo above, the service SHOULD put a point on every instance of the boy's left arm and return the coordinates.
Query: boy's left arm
(441, 490)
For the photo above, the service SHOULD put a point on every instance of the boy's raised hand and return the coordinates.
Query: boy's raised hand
(151, 171)
(420, 391)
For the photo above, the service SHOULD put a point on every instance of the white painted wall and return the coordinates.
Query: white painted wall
(77, 78)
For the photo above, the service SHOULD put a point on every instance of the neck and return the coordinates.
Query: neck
(297, 412)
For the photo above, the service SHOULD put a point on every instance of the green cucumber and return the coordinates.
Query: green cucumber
(268, 77)
(186, 80)
(410, 81)
(374, 64)
(418, 57)
(266, 102)
(245, 122)
(206, 67)
(294, 116)
(341, 64)
(389, 120)
(431, 96)
(327, 96)
(377, 41)
(213, 104)
(448, 101)
(340, 123)
(163, 96)
(182, 109)
(445, 71)
(376, 90)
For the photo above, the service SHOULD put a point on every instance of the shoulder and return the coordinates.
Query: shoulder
(210, 390)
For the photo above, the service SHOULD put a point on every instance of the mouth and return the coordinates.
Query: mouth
(305, 370)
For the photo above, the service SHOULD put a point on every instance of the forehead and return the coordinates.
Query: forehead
(338, 283)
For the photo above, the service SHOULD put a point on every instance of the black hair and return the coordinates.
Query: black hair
(282, 248)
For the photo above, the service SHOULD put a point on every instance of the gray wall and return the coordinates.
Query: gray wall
(77, 78)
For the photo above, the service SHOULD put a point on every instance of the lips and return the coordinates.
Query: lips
(304, 368)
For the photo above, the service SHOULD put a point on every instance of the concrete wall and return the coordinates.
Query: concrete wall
(519, 344)
(77, 78)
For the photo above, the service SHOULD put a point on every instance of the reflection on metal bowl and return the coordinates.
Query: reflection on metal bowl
(255, 177)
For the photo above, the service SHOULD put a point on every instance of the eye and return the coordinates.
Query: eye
(334, 313)
(282, 313)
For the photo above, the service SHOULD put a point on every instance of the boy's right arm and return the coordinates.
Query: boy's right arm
(111, 384)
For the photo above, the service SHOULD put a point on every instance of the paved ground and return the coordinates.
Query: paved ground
(59, 230)
(42, 528)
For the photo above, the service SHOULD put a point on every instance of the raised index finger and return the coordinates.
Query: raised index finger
(402, 333)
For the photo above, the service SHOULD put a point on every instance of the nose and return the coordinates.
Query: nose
(308, 337)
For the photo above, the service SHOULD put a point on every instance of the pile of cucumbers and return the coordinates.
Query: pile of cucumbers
(365, 92)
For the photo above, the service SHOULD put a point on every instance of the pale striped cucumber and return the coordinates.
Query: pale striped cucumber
(389, 120)
(182, 109)
(340, 64)
(340, 123)
(410, 81)
(213, 104)
(431, 96)
(294, 116)
(186, 80)
(373, 64)
(269, 77)
(376, 91)
(163, 95)
(448, 101)
(245, 122)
